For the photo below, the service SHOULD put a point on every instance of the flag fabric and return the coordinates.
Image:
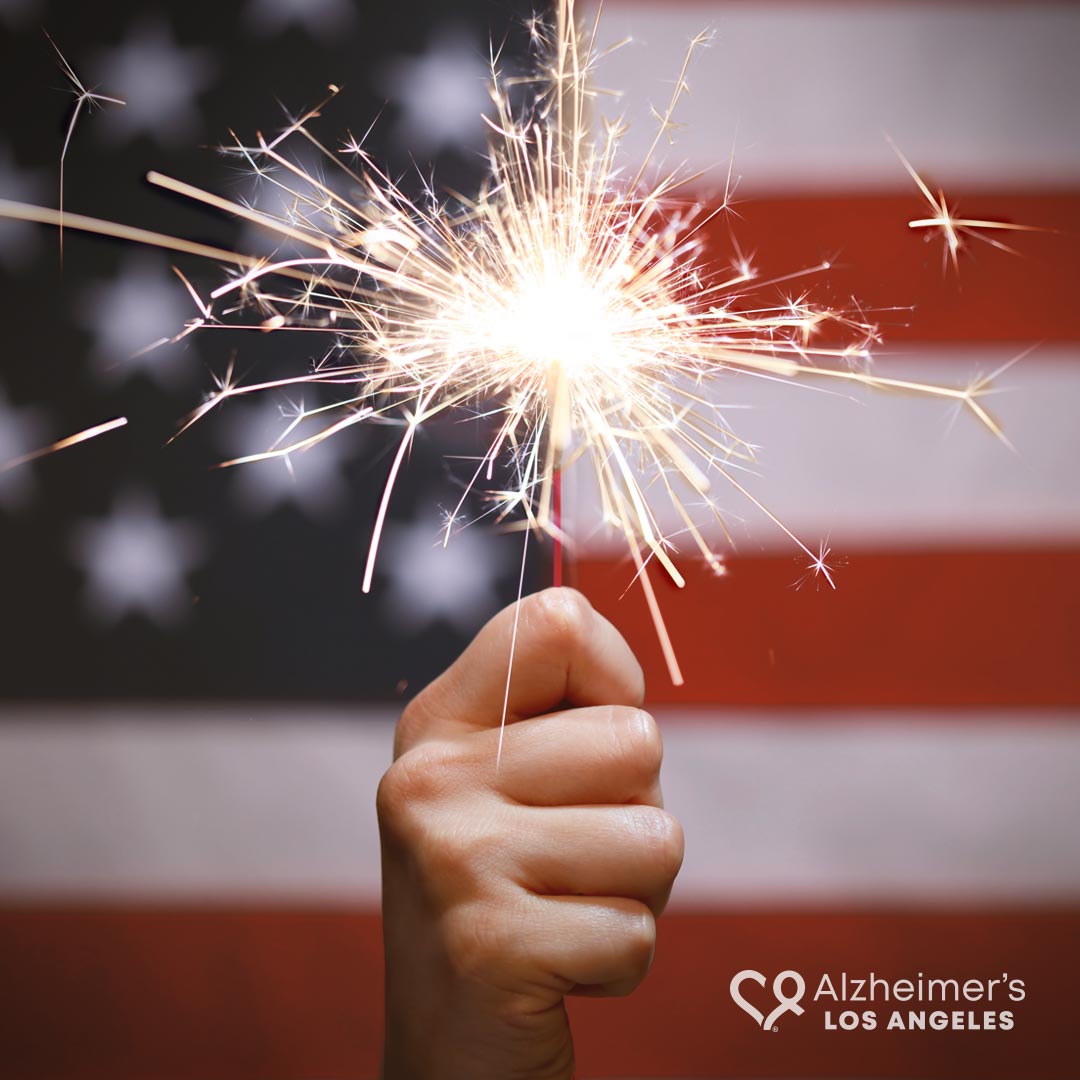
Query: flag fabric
(877, 779)
(955, 622)
(152, 573)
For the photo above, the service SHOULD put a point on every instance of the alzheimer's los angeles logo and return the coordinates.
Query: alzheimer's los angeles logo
(915, 1004)
(785, 1002)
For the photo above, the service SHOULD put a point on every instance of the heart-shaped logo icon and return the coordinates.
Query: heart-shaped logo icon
(786, 1002)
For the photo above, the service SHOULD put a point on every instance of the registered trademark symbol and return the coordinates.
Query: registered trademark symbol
(775, 1028)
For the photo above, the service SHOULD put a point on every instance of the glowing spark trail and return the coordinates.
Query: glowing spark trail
(568, 303)
(83, 97)
(953, 228)
(63, 444)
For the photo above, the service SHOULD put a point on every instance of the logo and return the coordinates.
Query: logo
(787, 1002)
(918, 1002)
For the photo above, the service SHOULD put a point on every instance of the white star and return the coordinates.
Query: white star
(18, 12)
(428, 583)
(312, 479)
(442, 94)
(321, 18)
(136, 561)
(22, 431)
(18, 239)
(144, 305)
(159, 82)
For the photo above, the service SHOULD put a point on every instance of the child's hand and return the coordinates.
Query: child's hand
(507, 887)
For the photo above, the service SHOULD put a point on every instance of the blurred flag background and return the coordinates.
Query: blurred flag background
(197, 700)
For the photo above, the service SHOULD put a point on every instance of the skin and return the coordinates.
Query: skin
(507, 888)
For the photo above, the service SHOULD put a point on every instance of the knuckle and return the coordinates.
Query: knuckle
(476, 940)
(391, 797)
(418, 778)
(639, 943)
(446, 829)
(664, 835)
(563, 616)
(637, 735)
(411, 723)
(459, 854)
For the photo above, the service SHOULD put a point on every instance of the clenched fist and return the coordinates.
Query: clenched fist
(507, 888)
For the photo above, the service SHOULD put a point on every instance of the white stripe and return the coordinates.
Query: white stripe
(915, 807)
(128, 801)
(869, 469)
(778, 808)
(983, 93)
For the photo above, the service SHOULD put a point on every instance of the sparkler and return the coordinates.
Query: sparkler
(569, 302)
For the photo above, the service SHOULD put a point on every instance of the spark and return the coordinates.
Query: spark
(83, 97)
(569, 303)
(63, 444)
(954, 228)
(819, 568)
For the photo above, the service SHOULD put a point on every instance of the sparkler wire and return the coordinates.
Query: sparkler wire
(557, 554)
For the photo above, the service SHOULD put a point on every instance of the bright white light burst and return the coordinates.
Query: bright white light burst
(569, 302)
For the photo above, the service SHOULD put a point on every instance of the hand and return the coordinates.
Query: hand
(507, 887)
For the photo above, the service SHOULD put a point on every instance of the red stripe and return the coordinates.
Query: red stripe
(958, 628)
(682, 1022)
(191, 994)
(877, 259)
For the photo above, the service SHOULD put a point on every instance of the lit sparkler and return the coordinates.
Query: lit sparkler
(569, 302)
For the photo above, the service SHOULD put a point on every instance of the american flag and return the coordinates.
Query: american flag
(197, 699)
